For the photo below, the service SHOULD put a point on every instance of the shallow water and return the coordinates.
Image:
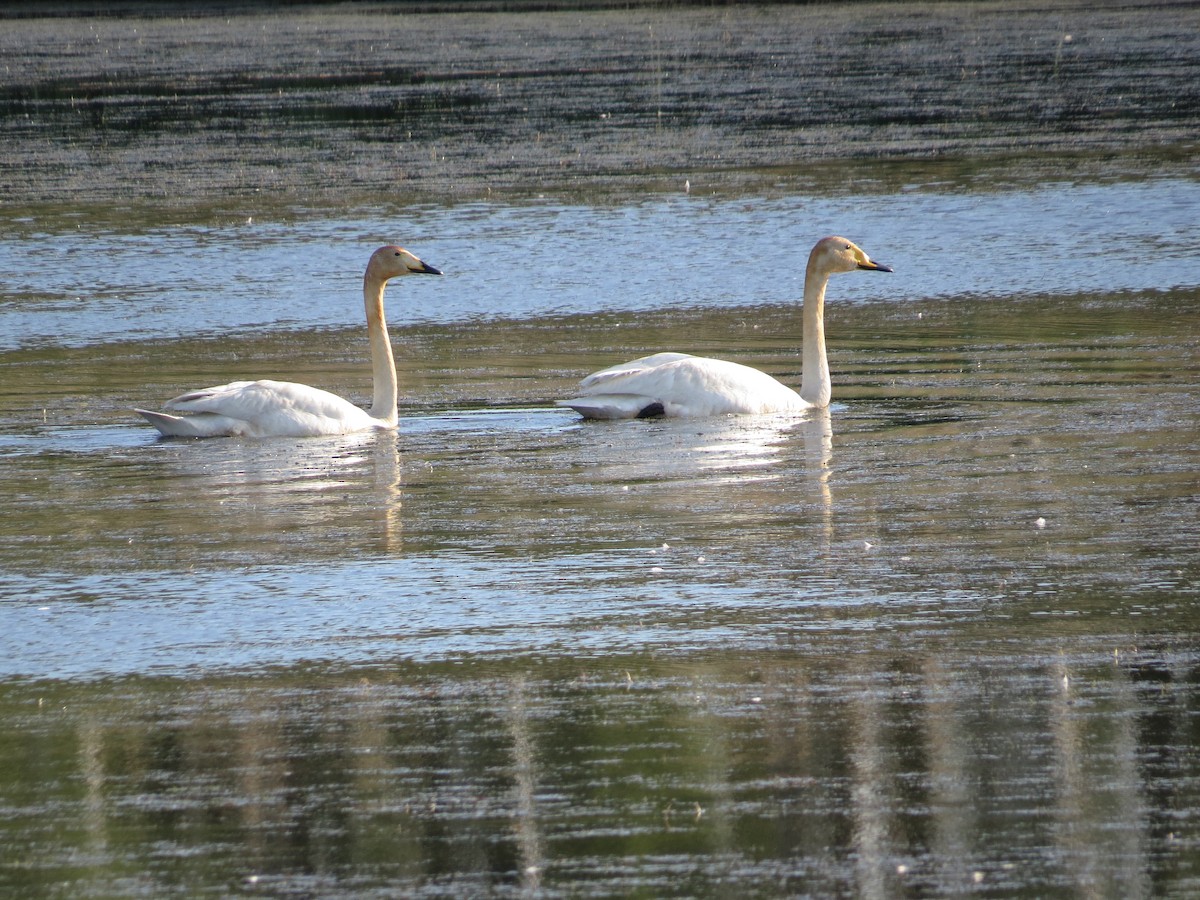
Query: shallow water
(940, 641)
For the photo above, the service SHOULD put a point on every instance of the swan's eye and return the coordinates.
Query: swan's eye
(847, 246)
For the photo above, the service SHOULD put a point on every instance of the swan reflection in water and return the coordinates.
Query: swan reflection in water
(729, 470)
(487, 474)
(741, 447)
(293, 493)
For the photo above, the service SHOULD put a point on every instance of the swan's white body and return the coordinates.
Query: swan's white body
(262, 409)
(677, 384)
(283, 408)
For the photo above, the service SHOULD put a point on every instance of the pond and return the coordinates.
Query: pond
(939, 640)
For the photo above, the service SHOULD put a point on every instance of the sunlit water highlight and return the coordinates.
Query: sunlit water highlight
(545, 259)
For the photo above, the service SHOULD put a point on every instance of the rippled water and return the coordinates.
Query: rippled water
(940, 641)
(544, 258)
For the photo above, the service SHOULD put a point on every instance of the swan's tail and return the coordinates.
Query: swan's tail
(615, 406)
(198, 426)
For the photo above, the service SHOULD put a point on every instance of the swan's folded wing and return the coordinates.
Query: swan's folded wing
(223, 398)
(633, 367)
(252, 400)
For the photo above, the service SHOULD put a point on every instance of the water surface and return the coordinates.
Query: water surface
(546, 258)
(940, 641)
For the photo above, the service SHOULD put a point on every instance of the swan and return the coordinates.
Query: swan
(678, 384)
(286, 409)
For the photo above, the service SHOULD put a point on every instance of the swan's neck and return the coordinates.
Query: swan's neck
(815, 385)
(383, 365)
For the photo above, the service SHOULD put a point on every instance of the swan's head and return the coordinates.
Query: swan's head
(389, 262)
(836, 254)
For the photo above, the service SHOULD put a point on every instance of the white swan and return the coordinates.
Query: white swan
(677, 384)
(283, 408)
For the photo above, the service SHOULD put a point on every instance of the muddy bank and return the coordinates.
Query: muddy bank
(333, 105)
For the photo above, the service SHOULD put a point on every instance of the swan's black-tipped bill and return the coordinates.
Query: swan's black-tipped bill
(875, 267)
(426, 269)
